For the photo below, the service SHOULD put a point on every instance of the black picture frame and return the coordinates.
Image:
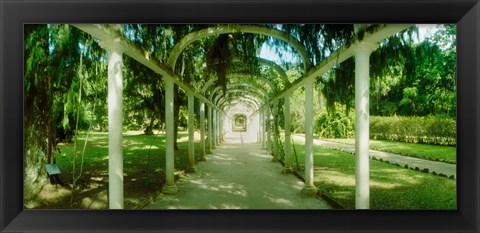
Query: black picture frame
(13, 218)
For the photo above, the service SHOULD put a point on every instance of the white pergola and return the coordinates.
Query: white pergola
(265, 100)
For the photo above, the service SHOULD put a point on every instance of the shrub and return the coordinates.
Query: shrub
(335, 125)
(430, 129)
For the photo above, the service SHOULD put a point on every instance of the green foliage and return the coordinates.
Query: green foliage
(430, 129)
(420, 78)
(320, 40)
(297, 109)
(340, 85)
(335, 125)
(387, 108)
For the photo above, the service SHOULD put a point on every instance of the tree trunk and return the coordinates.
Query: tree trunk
(35, 175)
(39, 139)
(149, 129)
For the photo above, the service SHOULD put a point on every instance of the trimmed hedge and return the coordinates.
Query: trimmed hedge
(429, 130)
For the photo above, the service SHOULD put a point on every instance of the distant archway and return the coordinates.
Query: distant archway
(239, 123)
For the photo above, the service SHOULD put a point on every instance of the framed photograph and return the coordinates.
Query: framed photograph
(21, 18)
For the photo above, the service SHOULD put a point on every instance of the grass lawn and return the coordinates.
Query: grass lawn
(391, 187)
(144, 156)
(423, 151)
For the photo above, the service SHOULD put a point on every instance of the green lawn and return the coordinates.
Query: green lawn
(391, 187)
(423, 151)
(139, 149)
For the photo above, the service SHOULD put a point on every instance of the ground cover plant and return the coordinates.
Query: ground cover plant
(391, 187)
(144, 166)
(423, 151)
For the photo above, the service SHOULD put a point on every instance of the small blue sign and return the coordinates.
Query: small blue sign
(52, 169)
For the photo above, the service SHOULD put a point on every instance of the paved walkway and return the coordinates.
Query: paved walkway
(432, 166)
(238, 175)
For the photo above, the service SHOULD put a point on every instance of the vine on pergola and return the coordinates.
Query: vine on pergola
(220, 54)
(219, 58)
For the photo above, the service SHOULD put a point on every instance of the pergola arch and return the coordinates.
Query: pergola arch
(245, 96)
(234, 99)
(214, 97)
(246, 92)
(274, 66)
(234, 28)
(262, 89)
(231, 109)
(211, 81)
(248, 86)
(207, 85)
(239, 118)
(279, 70)
(360, 47)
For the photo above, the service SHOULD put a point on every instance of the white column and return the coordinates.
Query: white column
(362, 115)
(220, 126)
(170, 187)
(288, 161)
(259, 127)
(217, 121)
(276, 154)
(202, 131)
(210, 130)
(309, 188)
(217, 127)
(268, 129)
(191, 136)
(214, 128)
(115, 129)
(264, 129)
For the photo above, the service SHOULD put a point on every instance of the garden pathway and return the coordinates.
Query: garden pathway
(238, 175)
(432, 166)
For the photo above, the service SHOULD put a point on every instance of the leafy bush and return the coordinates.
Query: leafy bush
(388, 108)
(335, 125)
(430, 130)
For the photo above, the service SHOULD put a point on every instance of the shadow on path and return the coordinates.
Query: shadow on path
(238, 175)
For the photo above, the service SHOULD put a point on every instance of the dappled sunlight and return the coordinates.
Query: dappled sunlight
(220, 186)
(97, 179)
(341, 194)
(228, 146)
(50, 194)
(137, 132)
(182, 139)
(335, 177)
(224, 157)
(145, 147)
(230, 206)
(131, 142)
(391, 178)
(378, 178)
(275, 199)
(99, 201)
